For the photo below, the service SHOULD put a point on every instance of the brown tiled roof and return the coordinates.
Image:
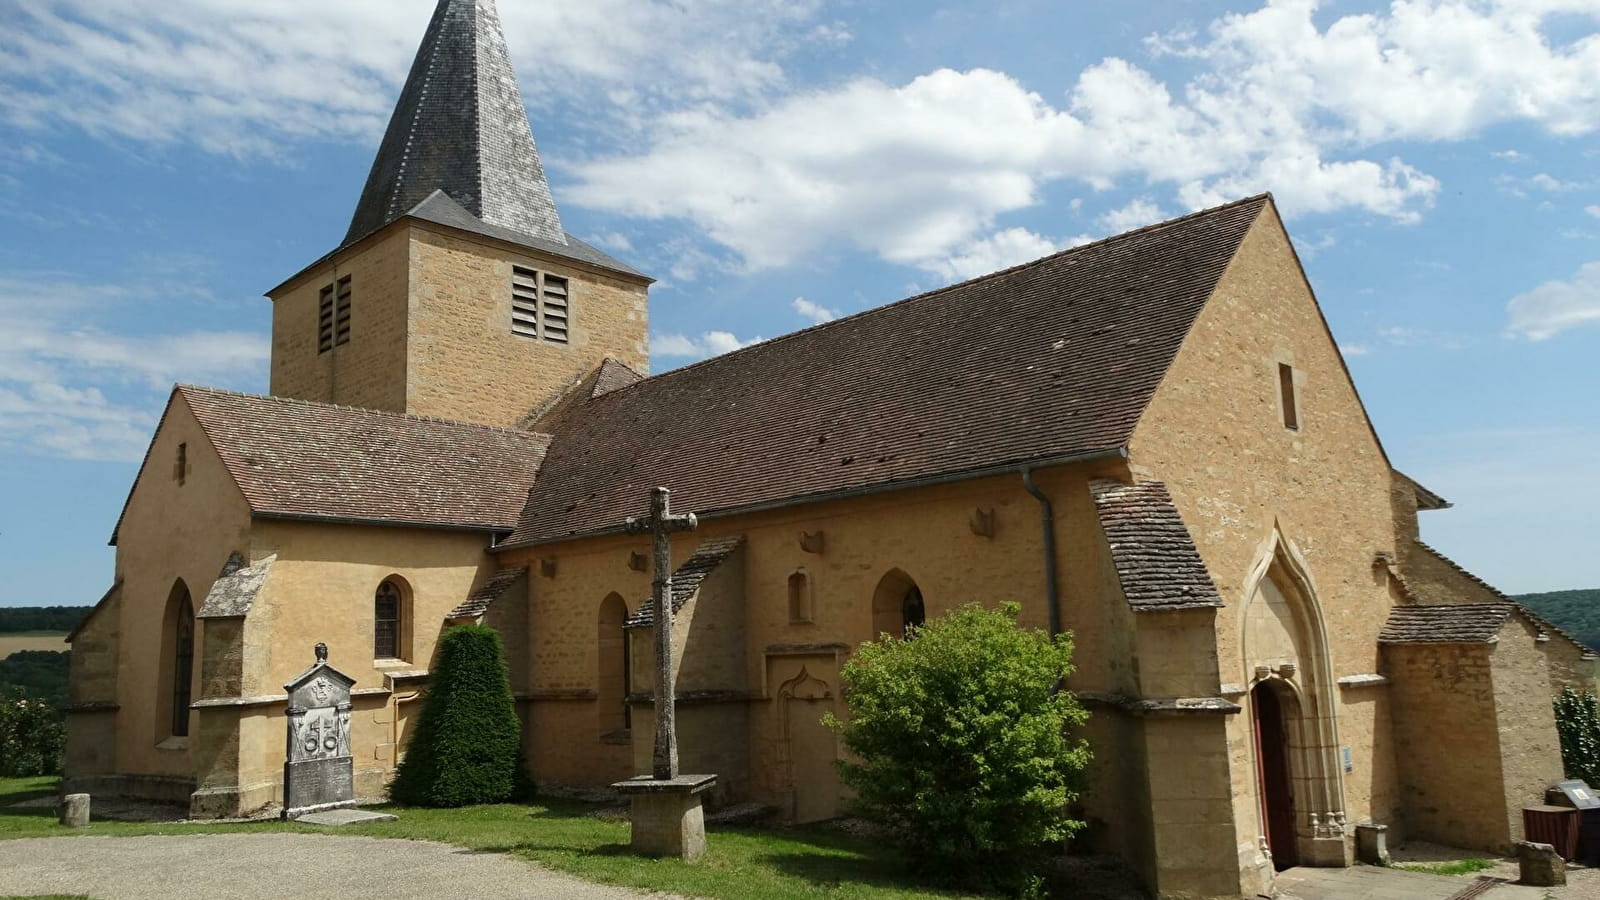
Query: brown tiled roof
(1045, 361)
(1538, 621)
(492, 590)
(1156, 559)
(687, 578)
(1465, 623)
(295, 459)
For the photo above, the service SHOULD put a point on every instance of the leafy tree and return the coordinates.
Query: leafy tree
(40, 674)
(1578, 724)
(467, 746)
(31, 737)
(1576, 612)
(14, 619)
(960, 739)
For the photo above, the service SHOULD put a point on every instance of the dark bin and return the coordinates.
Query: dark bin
(1557, 826)
(1576, 794)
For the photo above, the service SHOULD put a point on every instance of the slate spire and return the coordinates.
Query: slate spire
(461, 127)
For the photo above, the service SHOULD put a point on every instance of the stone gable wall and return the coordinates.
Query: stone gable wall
(169, 531)
(1215, 434)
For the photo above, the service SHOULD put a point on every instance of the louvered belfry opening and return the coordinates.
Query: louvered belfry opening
(539, 305)
(333, 315)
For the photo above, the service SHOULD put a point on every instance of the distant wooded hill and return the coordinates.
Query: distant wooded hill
(14, 619)
(40, 674)
(1576, 612)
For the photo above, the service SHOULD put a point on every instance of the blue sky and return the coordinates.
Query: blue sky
(777, 162)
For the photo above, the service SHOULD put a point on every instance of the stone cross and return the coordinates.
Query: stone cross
(661, 524)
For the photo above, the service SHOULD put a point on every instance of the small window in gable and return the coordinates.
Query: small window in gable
(1286, 394)
(539, 305)
(180, 466)
(333, 315)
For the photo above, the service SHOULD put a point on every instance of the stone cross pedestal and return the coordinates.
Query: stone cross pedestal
(666, 812)
(318, 771)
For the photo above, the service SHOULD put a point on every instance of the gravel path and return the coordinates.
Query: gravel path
(271, 866)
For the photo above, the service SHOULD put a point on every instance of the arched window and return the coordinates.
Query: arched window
(177, 665)
(912, 612)
(388, 606)
(897, 605)
(799, 597)
(613, 658)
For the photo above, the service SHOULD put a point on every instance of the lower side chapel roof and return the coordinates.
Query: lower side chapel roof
(1048, 361)
(302, 460)
(1156, 560)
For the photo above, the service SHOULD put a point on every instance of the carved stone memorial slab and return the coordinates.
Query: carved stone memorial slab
(318, 771)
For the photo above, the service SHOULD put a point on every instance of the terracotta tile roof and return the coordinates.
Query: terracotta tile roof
(1538, 621)
(1466, 623)
(295, 459)
(1156, 559)
(492, 590)
(1045, 361)
(687, 578)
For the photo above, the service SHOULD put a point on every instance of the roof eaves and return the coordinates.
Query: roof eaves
(1120, 452)
(116, 587)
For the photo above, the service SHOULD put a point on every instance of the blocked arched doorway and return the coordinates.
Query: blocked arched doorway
(1272, 710)
(897, 605)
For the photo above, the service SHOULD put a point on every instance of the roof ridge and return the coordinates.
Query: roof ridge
(380, 413)
(950, 287)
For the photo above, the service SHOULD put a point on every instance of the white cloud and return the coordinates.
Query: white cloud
(1137, 214)
(1000, 250)
(915, 172)
(1593, 211)
(1555, 306)
(73, 385)
(241, 78)
(708, 344)
(816, 312)
(1354, 349)
(1509, 155)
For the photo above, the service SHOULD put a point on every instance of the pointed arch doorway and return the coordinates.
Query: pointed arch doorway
(1270, 717)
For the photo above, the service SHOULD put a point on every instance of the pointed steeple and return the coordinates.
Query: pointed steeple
(461, 127)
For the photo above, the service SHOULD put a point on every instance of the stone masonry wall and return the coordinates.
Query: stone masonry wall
(370, 370)
(1448, 743)
(1530, 749)
(463, 360)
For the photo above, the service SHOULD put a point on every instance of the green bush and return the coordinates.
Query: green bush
(467, 748)
(960, 739)
(31, 737)
(1578, 724)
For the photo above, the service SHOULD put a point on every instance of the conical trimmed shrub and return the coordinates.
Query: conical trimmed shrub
(467, 746)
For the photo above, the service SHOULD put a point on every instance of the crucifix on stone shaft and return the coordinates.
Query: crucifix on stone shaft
(661, 524)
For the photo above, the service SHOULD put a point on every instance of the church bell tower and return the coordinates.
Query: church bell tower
(456, 292)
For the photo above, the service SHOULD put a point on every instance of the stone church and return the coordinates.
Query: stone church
(1150, 441)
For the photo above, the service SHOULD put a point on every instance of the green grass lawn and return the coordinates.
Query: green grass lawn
(741, 864)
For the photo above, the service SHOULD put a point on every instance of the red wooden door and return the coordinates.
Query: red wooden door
(1272, 773)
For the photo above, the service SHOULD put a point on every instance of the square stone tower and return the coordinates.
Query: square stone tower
(456, 293)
